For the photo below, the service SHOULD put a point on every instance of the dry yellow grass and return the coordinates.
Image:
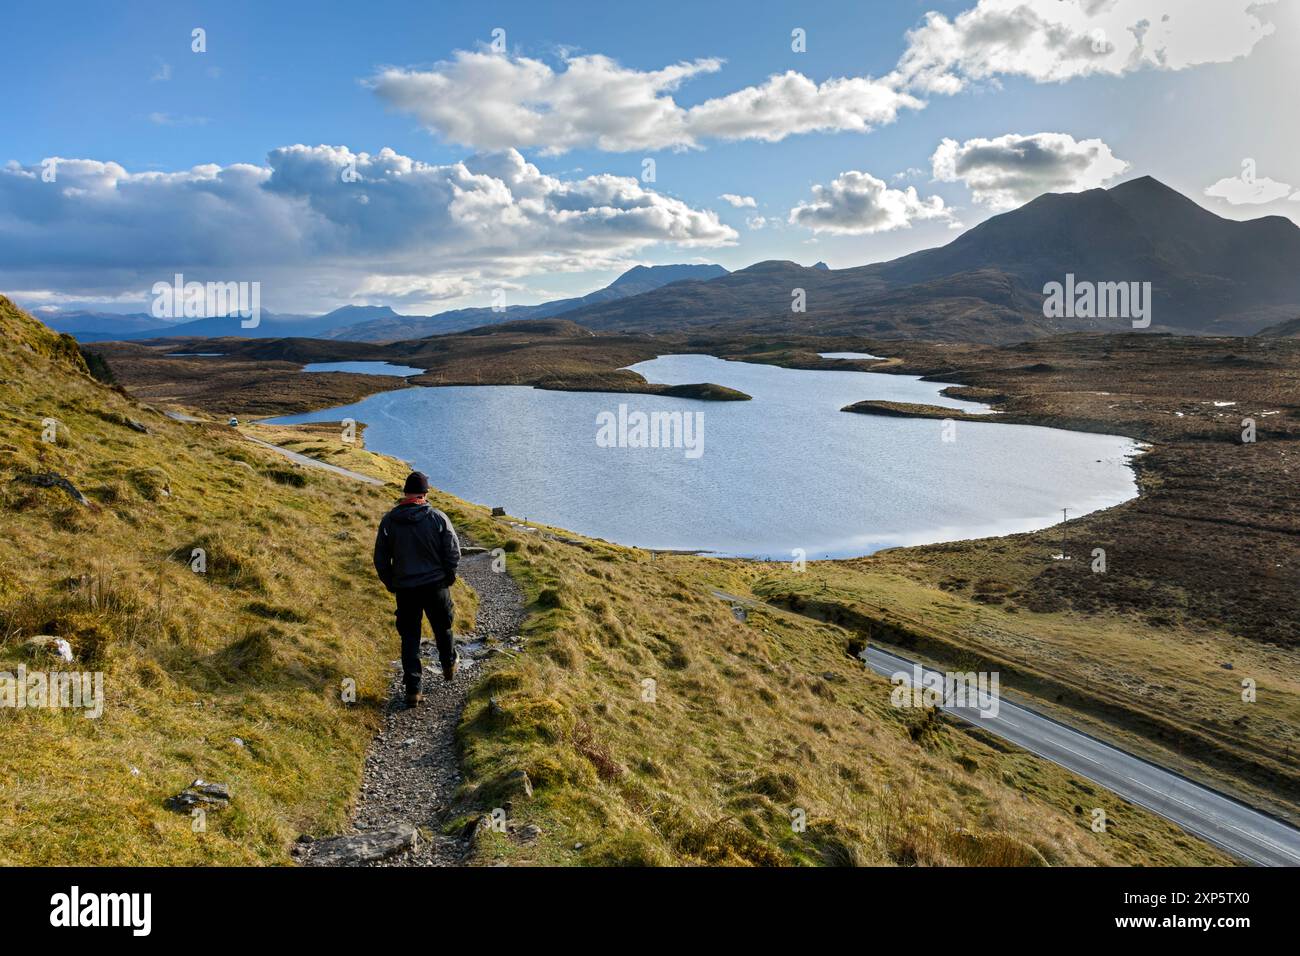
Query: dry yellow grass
(1161, 691)
(257, 648)
(751, 726)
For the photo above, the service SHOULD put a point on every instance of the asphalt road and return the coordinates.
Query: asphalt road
(1249, 834)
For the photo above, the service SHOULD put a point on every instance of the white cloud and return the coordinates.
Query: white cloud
(307, 234)
(1004, 172)
(1057, 40)
(790, 103)
(740, 202)
(1248, 190)
(489, 100)
(493, 101)
(416, 290)
(856, 203)
(756, 222)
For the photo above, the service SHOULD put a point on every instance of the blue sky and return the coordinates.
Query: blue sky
(828, 167)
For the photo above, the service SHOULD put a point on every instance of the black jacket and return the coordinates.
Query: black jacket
(416, 545)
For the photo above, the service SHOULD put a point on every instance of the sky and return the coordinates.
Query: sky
(431, 156)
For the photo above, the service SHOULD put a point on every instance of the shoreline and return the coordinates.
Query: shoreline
(1005, 529)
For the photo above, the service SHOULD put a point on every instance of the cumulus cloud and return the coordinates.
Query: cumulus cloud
(856, 203)
(324, 221)
(490, 100)
(740, 202)
(1004, 172)
(493, 101)
(1056, 40)
(791, 103)
(1248, 189)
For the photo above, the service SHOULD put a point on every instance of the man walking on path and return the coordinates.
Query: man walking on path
(416, 555)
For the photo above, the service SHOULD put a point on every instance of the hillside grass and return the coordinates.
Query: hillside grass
(751, 724)
(256, 649)
(751, 721)
(1157, 682)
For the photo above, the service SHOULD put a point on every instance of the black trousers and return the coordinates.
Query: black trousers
(413, 604)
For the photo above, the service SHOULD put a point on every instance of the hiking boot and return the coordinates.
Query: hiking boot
(413, 697)
(449, 670)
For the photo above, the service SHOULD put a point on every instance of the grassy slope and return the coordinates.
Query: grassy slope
(751, 719)
(255, 649)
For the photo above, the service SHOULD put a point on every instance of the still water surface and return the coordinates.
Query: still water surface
(787, 470)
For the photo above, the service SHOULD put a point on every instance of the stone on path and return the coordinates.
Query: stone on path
(363, 847)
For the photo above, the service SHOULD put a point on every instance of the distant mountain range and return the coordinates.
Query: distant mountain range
(113, 326)
(99, 326)
(361, 323)
(1208, 275)
(1289, 329)
(636, 281)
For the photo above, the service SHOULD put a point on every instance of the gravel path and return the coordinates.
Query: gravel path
(413, 769)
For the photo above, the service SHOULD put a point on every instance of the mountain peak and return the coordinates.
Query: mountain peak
(359, 313)
(1149, 183)
(662, 275)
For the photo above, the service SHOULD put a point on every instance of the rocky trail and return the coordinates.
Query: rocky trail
(412, 770)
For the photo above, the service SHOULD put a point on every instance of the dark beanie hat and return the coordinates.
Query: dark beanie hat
(417, 483)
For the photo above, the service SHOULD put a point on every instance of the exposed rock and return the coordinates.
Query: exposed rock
(50, 479)
(43, 644)
(210, 796)
(517, 782)
(137, 426)
(364, 847)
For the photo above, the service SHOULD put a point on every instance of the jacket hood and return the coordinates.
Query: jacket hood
(412, 514)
